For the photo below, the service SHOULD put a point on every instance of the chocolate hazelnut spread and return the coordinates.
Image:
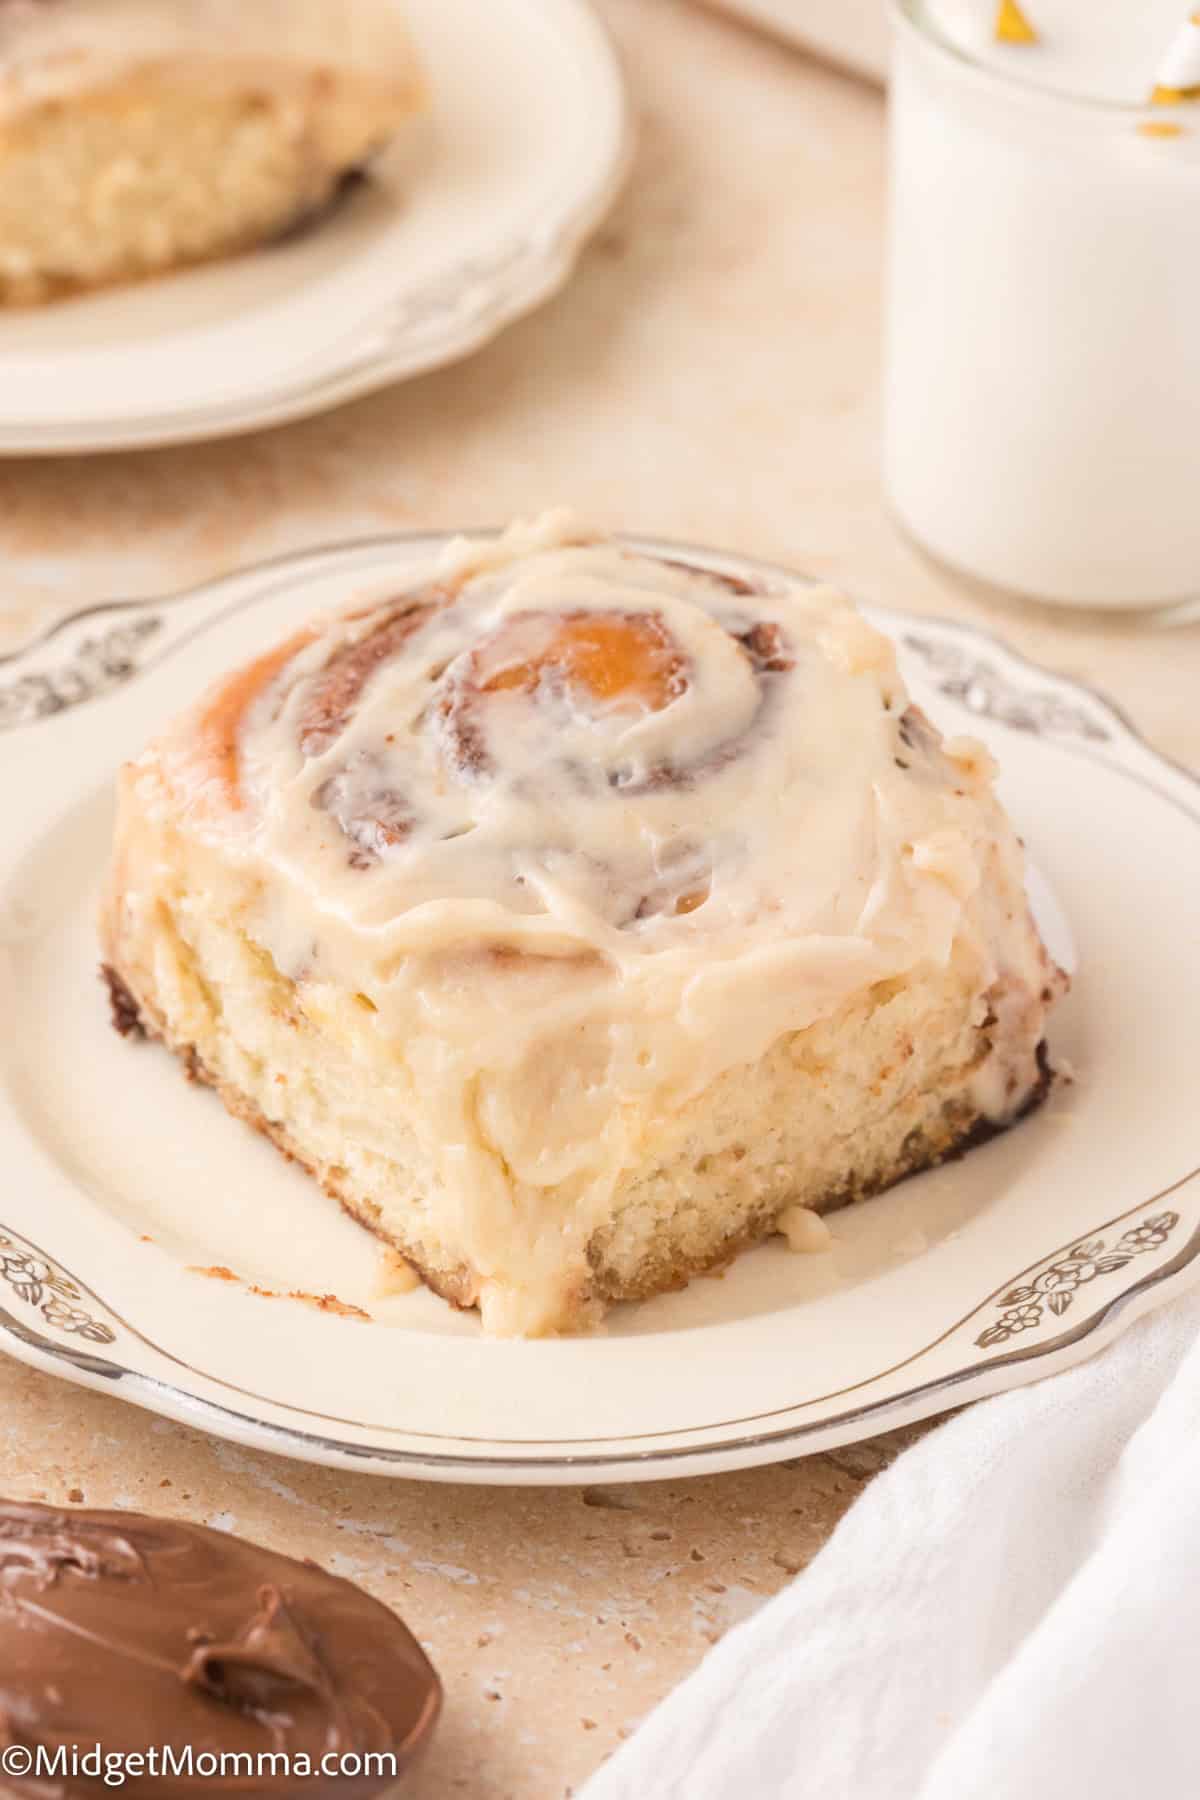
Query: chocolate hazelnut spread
(136, 1633)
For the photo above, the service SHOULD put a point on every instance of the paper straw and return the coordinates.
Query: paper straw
(1012, 26)
(1178, 76)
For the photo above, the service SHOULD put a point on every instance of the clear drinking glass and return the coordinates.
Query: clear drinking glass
(1042, 387)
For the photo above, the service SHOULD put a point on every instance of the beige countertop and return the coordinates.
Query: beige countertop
(711, 373)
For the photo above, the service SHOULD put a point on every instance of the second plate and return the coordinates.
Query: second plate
(450, 240)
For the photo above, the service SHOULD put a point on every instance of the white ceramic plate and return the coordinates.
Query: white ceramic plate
(472, 221)
(1019, 1260)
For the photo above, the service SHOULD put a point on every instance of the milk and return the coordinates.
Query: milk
(1042, 395)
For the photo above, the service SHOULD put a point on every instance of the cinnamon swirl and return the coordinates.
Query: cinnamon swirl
(576, 914)
(138, 136)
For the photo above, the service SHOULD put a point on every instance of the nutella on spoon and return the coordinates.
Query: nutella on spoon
(131, 1633)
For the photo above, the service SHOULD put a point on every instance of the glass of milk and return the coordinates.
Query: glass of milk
(1042, 389)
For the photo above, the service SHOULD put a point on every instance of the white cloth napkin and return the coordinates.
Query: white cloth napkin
(1011, 1611)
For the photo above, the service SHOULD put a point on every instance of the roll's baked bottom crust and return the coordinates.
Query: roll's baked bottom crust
(947, 1134)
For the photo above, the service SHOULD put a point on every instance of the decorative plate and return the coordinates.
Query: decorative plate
(122, 1183)
(475, 218)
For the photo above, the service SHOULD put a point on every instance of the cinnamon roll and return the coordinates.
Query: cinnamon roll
(138, 136)
(574, 915)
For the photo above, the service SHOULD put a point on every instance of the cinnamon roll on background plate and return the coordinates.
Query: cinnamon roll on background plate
(580, 917)
(138, 136)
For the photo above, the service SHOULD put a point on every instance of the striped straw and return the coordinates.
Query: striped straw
(1012, 26)
(1179, 72)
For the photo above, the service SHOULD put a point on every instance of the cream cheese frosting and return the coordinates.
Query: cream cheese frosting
(583, 829)
(52, 49)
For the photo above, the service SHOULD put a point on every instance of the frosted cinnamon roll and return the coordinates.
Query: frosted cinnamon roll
(576, 915)
(138, 136)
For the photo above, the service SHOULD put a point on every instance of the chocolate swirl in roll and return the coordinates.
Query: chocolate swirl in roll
(483, 735)
(551, 907)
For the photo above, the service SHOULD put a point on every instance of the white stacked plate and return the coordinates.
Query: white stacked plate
(453, 237)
